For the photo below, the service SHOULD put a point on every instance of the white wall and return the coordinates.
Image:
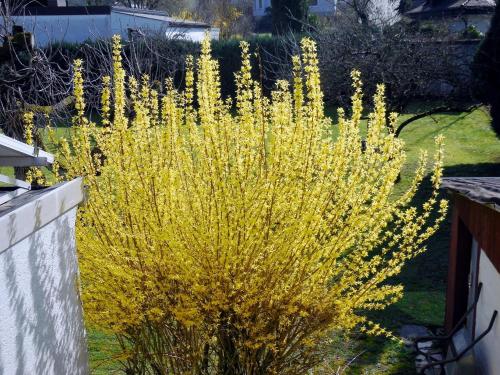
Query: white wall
(480, 21)
(80, 28)
(120, 23)
(73, 29)
(41, 325)
(322, 7)
(192, 34)
(487, 351)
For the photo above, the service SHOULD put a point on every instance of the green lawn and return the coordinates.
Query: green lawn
(472, 149)
(102, 350)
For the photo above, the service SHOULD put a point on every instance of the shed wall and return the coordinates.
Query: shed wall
(67, 28)
(488, 349)
(121, 23)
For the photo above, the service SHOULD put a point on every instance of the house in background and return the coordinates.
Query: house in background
(319, 7)
(474, 274)
(56, 22)
(41, 320)
(457, 15)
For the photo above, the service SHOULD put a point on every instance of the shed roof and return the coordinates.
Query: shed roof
(39, 10)
(18, 154)
(483, 190)
(158, 16)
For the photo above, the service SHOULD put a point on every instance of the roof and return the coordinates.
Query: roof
(38, 10)
(63, 11)
(18, 154)
(158, 16)
(483, 190)
(429, 8)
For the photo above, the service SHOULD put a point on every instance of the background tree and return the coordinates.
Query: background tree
(30, 80)
(413, 66)
(487, 70)
(370, 13)
(230, 16)
(174, 7)
(289, 15)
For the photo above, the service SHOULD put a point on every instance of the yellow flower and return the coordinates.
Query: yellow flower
(214, 226)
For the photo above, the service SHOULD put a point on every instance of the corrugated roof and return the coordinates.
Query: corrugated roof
(18, 154)
(484, 190)
(62, 11)
(159, 16)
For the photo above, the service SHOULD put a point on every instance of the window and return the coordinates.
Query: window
(260, 4)
(313, 3)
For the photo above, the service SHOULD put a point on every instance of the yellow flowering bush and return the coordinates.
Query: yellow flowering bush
(233, 236)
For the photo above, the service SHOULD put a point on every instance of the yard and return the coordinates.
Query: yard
(472, 149)
(196, 218)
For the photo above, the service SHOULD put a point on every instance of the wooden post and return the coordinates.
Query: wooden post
(458, 270)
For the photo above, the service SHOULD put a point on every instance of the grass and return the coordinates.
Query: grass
(102, 349)
(472, 149)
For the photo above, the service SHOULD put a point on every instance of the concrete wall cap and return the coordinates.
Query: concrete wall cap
(31, 211)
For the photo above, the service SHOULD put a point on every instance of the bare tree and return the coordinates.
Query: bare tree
(30, 80)
(175, 7)
(230, 16)
(412, 65)
(370, 13)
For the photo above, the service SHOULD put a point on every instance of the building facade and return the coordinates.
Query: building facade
(319, 7)
(457, 15)
(78, 24)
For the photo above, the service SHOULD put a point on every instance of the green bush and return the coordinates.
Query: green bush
(160, 58)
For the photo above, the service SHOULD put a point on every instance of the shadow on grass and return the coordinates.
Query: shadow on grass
(361, 354)
(428, 271)
(460, 116)
(424, 280)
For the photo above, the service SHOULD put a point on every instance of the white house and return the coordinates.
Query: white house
(458, 15)
(77, 24)
(41, 320)
(320, 7)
